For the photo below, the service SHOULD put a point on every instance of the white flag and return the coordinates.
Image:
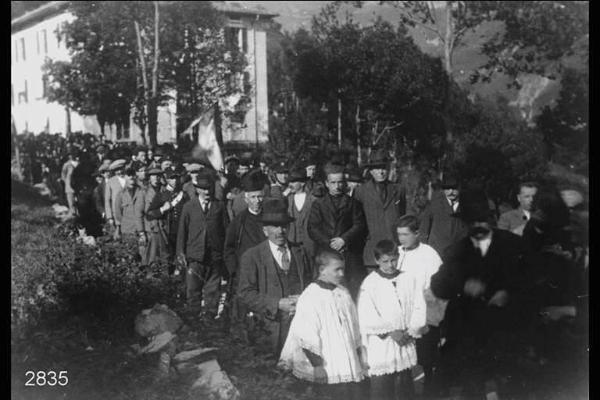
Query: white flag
(207, 146)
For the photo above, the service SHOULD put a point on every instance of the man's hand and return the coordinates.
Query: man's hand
(143, 240)
(165, 207)
(287, 305)
(320, 375)
(117, 235)
(499, 299)
(337, 243)
(474, 288)
(555, 313)
(401, 337)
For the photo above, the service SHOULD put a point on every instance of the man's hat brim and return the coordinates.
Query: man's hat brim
(276, 219)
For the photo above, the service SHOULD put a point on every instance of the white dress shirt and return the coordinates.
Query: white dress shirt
(278, 255)
(299, 200)
(454, 206)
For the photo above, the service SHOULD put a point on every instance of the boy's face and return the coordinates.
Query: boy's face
(333, 272)
(387, 263)
(406, 237)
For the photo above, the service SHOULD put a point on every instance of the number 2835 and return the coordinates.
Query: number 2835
(50, 378)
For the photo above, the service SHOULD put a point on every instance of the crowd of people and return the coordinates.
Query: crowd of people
(334, 275)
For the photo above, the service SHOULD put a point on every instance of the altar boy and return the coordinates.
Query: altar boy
(324, 345)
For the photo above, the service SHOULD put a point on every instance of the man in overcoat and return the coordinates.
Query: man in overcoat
(337, 221)
(383, 203)
(200, 245)
(441, 222)
(273, 274)
(483, 279)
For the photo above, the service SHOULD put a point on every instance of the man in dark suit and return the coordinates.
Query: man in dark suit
(337, 221)
(273, 274)
(383, 203)
(199, 246)
(483, 279)
(441, 222)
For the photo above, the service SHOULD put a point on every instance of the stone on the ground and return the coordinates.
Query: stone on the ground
(191, 354)
(158, 342)
(157, 320)
(213, 383)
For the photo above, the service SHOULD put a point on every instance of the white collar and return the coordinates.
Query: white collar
(252, 212)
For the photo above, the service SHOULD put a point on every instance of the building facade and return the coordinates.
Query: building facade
(39, 35)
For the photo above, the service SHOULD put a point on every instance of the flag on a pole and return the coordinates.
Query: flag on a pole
(207, 145)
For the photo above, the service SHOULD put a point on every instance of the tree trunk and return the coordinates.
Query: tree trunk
(358, 149)
(68, 121)
(153, 103)
(146, 109)
(448, 49)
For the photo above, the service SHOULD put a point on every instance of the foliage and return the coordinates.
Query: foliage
(566, 126)
(498, 150)
(538, 36)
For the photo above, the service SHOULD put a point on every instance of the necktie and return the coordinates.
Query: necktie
(285, 259)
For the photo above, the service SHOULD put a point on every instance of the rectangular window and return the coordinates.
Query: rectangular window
(26, 93)
(23, 49)
(16, 51)
(44, 34)
(245, 41)
(57, 33)
(22, 97)
(37, 41)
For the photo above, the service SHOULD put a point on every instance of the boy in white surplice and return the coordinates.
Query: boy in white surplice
(324, 345)
(391, 313)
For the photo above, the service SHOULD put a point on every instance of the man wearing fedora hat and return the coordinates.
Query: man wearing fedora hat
(383, 203)
(482, 277)
(299, 203)
(200, 238)
(166, 208)
(273, 274)
(442, 223)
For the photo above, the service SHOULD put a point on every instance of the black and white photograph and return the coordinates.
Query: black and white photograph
(299, 200)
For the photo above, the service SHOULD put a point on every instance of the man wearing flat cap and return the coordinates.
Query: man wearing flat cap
(157, 243)
(383, 202)
(442, 223)
(200, 240)
(482, 277)
(273, 274)
(337, 221)
(166, 208)
(113, 187)
(300, 202)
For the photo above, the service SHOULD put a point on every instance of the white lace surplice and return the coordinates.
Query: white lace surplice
(382, 308)
(325, 323)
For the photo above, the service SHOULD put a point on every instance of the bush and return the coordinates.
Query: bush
(55, 277)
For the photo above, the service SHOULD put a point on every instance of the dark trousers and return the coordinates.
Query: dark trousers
(392, 386)
(428, 356)
(202, 282)
(156, 251)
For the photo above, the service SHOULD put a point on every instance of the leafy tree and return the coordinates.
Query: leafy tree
(566, 126)
(133, 54)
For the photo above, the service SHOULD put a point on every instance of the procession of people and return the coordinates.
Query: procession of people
(346, 288)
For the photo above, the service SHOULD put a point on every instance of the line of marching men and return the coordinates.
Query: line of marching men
(342, 285)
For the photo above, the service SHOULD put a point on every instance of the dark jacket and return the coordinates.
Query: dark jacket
(347, 222)
(501, 269)
(380, 216)
(261, 287)
(440, 226)
(98, 195)
(169, 221)
(200, 234)
(239, 238)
